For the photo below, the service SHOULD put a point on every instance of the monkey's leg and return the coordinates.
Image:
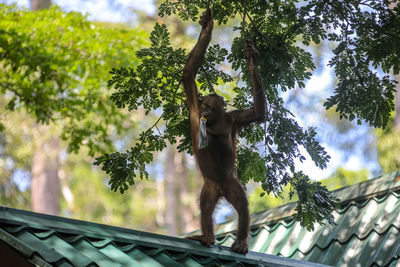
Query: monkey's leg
(235, 194)
(210, 194)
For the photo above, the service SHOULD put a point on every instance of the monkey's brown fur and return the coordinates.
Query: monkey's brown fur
(217, 160)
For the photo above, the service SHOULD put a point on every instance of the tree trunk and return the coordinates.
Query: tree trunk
(45, 180)
(179, 205)
(40, 4)
(188, 205)
(171, 197)
(45, 163)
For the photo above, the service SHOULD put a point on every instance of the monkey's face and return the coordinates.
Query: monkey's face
(212, 108)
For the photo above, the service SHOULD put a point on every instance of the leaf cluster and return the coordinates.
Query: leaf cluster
(315, 202)
(153, 85)
(366, 35)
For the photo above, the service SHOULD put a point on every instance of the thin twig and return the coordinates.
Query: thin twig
(155, 124)
(158, 130)
(238, 77)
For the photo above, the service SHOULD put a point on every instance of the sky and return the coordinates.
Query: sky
(102, 10)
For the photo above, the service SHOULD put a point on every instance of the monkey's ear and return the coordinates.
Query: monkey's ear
(222, 100)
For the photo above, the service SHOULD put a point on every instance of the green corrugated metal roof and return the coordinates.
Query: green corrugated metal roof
(55, 241)
(367, 231)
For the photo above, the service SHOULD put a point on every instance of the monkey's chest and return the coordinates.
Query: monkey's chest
(216, 161)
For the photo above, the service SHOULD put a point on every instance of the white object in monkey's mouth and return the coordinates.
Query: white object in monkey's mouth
(203, 141)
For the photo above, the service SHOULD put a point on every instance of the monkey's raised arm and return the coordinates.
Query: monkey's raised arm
(257, 112)
(192, 65)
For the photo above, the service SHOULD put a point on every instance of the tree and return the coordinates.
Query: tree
(366, 34)
(54, 66)
(45, 164)
(179, 200)
(40, 4)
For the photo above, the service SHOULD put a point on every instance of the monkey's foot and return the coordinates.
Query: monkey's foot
(205, 240)
(240, 246)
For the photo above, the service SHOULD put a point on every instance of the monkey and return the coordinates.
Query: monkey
(216, 161)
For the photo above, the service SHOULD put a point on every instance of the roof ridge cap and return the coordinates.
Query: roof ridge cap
(383, 177)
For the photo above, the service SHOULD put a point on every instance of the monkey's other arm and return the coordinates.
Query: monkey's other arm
(256, 82)
(193, 63)
(257, 112)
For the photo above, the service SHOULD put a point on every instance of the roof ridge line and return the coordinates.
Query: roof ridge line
(377, 198)
(393, 175)
(373, 195)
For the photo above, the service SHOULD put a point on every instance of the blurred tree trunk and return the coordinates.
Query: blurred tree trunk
(171, 194)
(40, 4)
(188, 221)
(45, 162)
(45, 180)
(179, 206)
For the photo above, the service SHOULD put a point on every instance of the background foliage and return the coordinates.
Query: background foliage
(55, 67)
